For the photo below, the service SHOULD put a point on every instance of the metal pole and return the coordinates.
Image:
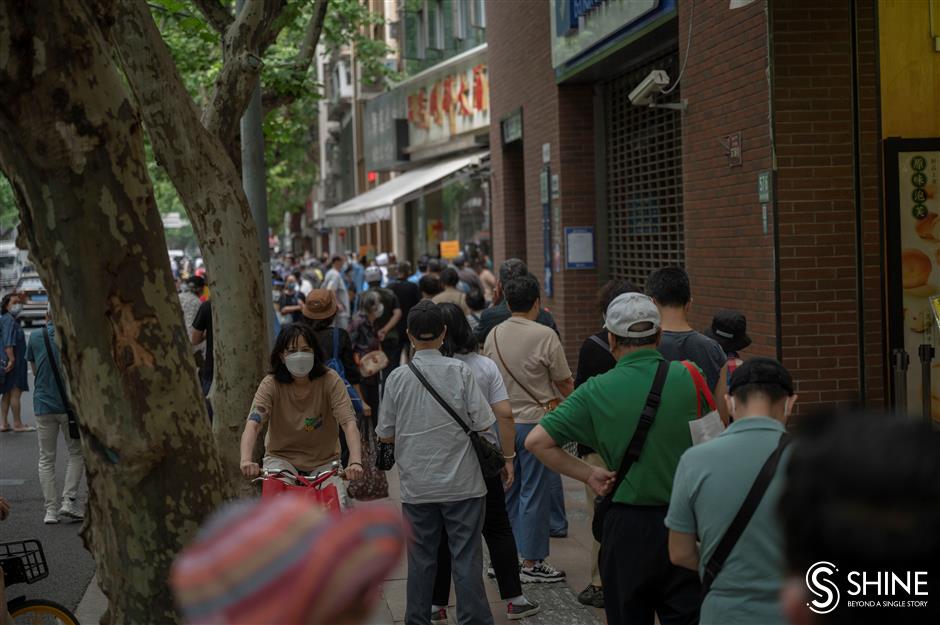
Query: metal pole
(900, 360)
(926, 353)
(254, 181)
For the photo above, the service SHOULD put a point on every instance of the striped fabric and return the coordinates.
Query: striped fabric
(285, 561)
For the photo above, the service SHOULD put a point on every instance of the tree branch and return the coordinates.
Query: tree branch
(241, 69)
(308, 48)
(216, 14)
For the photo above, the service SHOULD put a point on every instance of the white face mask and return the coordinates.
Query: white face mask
(379, 311)
(16, 309)
(299, 364)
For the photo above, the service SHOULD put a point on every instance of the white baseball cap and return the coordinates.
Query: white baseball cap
(628, 310)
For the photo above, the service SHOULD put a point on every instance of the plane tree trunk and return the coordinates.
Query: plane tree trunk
(71, 144)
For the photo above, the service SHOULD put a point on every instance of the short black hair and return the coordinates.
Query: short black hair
(423, 264)
(337, 258)
(460, 338)
(521, 293)
(434, 265)
(5, 302)
(430, 285)
(476, 300)
(611, 290)
(761, 376)
(670, 287)
(512, 268)
(862, 492)
(404, 269)
(425, 321)
(450, 277)
(287, 337)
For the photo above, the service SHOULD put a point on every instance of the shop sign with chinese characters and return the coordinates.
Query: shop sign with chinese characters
(453, 104)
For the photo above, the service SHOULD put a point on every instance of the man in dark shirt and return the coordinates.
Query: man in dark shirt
(670, 289)
(492, 317)
(202, 331)
(408, 295)
(595, 358)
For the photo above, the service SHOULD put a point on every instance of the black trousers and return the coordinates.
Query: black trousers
(639, 580)
(499, 540)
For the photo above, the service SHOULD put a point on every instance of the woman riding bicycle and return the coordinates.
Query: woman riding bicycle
(304, 404)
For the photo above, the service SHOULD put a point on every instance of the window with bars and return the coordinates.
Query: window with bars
(645, 228)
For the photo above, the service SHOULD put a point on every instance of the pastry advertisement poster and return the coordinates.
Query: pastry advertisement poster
(918, 187)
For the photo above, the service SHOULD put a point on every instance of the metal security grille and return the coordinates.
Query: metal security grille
(644, 180)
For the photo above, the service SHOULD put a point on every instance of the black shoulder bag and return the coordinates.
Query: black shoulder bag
(50, 357)
(602, 504)
(743, 517)
(490, 456)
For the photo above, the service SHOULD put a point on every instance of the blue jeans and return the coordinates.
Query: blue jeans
(528, 500)
(558, 519)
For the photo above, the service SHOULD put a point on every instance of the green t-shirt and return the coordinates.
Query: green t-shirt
(711, 483)
(603, 414)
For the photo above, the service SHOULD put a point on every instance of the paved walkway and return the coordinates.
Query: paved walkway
(559, 601)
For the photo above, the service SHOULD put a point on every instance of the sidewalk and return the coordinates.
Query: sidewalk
(559, 601)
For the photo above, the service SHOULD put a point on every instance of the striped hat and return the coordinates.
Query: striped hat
(286, 561)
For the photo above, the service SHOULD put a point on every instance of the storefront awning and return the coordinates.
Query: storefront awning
(376, 204)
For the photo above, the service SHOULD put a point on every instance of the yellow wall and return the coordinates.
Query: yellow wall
(910, 69)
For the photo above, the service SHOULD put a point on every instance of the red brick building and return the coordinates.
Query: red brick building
(767, 187)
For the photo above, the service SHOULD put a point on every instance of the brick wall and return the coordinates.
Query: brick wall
(813, 98)
(521, 75)
(869, 141)
(728, 256)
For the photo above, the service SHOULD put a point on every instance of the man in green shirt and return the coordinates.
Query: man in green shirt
(711, 483)
(603, 413)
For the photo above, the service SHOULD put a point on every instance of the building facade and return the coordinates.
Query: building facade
(423, 141)
(766, 166)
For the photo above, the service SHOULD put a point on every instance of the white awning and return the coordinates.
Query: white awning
(376, 204)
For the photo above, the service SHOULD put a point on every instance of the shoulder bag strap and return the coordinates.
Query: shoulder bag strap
(50, 356)
(700, 388)
(643, 426)
(743, 517)
(439, 399)
(509, 371)
(601, 342)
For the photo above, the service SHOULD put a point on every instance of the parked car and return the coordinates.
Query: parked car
(37, 300)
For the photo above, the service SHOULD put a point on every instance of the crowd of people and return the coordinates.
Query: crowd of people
(380, 364)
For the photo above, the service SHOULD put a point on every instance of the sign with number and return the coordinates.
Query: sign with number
(450, 249)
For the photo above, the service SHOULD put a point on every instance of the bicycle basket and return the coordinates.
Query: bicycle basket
(23, 562)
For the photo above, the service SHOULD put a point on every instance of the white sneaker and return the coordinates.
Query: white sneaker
(541, 572)
(51, 518)
(71, 513)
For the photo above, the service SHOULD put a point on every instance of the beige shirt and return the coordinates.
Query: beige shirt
(536, 358)
(303, 424)
(450, 295)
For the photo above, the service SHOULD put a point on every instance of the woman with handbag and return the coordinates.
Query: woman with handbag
(366, 348)
(304, 404)
(460, 343)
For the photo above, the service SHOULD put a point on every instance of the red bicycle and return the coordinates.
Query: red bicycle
(313, 486)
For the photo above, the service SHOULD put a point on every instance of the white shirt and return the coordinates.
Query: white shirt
(435, 459)
(486, 373)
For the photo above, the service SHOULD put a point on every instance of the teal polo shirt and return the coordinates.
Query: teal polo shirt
(603, 414)
(711, 483)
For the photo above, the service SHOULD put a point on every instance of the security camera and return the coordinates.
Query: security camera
(653, 84)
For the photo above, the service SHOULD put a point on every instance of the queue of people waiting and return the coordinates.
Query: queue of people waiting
(702, 509)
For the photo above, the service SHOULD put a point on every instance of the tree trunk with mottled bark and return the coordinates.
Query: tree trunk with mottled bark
(211, 190)
(72, 146)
